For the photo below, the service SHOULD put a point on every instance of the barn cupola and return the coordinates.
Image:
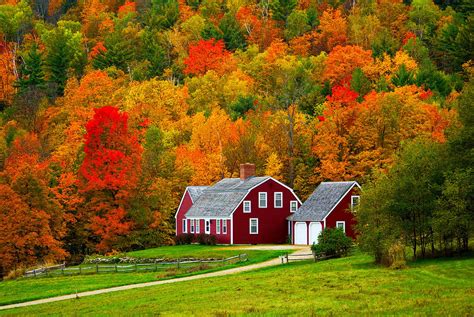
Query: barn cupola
(247, 170)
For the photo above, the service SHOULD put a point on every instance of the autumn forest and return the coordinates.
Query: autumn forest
(110, 108)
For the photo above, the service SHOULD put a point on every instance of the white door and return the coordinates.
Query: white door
(301, 233)
(315, 229)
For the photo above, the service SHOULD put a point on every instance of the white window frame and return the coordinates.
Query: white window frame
(295, 202)
(259, 200)
(343, 225)
(250, 225)
(224, 226)
(185, 226)
(352, 201)
(218, 226)
(192, 225)
(207, 223)
(275, 199)
(249, 205)
(198, 225)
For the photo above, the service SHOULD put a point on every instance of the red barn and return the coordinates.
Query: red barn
(245, 210)
(329, 206)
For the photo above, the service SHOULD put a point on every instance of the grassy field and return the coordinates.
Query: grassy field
(26, 289)
(348, 286)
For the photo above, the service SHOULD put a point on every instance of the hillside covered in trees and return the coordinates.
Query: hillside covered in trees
(110, 108)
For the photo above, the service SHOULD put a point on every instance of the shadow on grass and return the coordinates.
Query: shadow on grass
(445, 259)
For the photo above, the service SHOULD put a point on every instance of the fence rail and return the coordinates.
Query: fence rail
(287, 258)
(127, 268)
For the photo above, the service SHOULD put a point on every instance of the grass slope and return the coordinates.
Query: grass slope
(27, 289)
(349, 286)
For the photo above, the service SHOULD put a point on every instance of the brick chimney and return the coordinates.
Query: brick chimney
(247, 170)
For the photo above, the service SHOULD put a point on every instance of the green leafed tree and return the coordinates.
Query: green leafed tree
(297, 24)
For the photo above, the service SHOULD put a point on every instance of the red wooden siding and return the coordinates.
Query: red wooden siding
(186, 203)
(272, 223)
(342, 212)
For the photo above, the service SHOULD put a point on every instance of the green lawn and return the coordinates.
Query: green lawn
(26, 289)
(348, 286)
(185, 251)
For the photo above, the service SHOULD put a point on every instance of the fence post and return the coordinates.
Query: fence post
(97, 267)
(287, 258)
(80, 270)
(178, 263)
(239, 257)
(136, 267)
(116, 268)
(156, 266)
(62, 270)
(34, 272)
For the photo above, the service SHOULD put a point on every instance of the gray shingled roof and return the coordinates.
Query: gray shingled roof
(196, 191)
(321, 201)
(221, 199)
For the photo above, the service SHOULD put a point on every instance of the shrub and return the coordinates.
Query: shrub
(206, 239)
(15, 273)
(332, 242)
(184, 238)
(395, 257)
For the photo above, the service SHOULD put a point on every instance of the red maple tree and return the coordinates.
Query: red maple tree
(205, 55)
(109, 173)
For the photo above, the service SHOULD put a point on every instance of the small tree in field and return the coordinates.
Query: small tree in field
(332, 242)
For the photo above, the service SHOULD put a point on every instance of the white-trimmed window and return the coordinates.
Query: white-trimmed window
(341, 225)
(262, 200)
(198, 229)
(224, 226)
(218, 226)
(192, 225)
(293, 206)
(354, 201)
(253, 226)
(247, 206)
(185, 229)
(207, 224)
(278, 199)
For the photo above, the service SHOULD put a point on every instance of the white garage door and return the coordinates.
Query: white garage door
(301, 233)
(315, 229)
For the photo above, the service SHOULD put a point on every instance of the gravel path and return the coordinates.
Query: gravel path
(272, 262)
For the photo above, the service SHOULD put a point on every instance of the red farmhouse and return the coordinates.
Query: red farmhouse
(245, 210)
(329, 206)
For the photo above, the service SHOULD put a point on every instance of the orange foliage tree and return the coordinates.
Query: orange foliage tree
(343, 60)
(31, 221)
(261, 31)
(355, 139)
(7, 73)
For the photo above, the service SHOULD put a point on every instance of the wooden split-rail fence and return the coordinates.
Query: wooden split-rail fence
(287, 258)
(61, 269)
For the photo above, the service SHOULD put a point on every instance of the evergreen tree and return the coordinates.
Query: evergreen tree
(403, 77)
(360, 83)
(281, 9)
(31, 71)
(232, 32)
